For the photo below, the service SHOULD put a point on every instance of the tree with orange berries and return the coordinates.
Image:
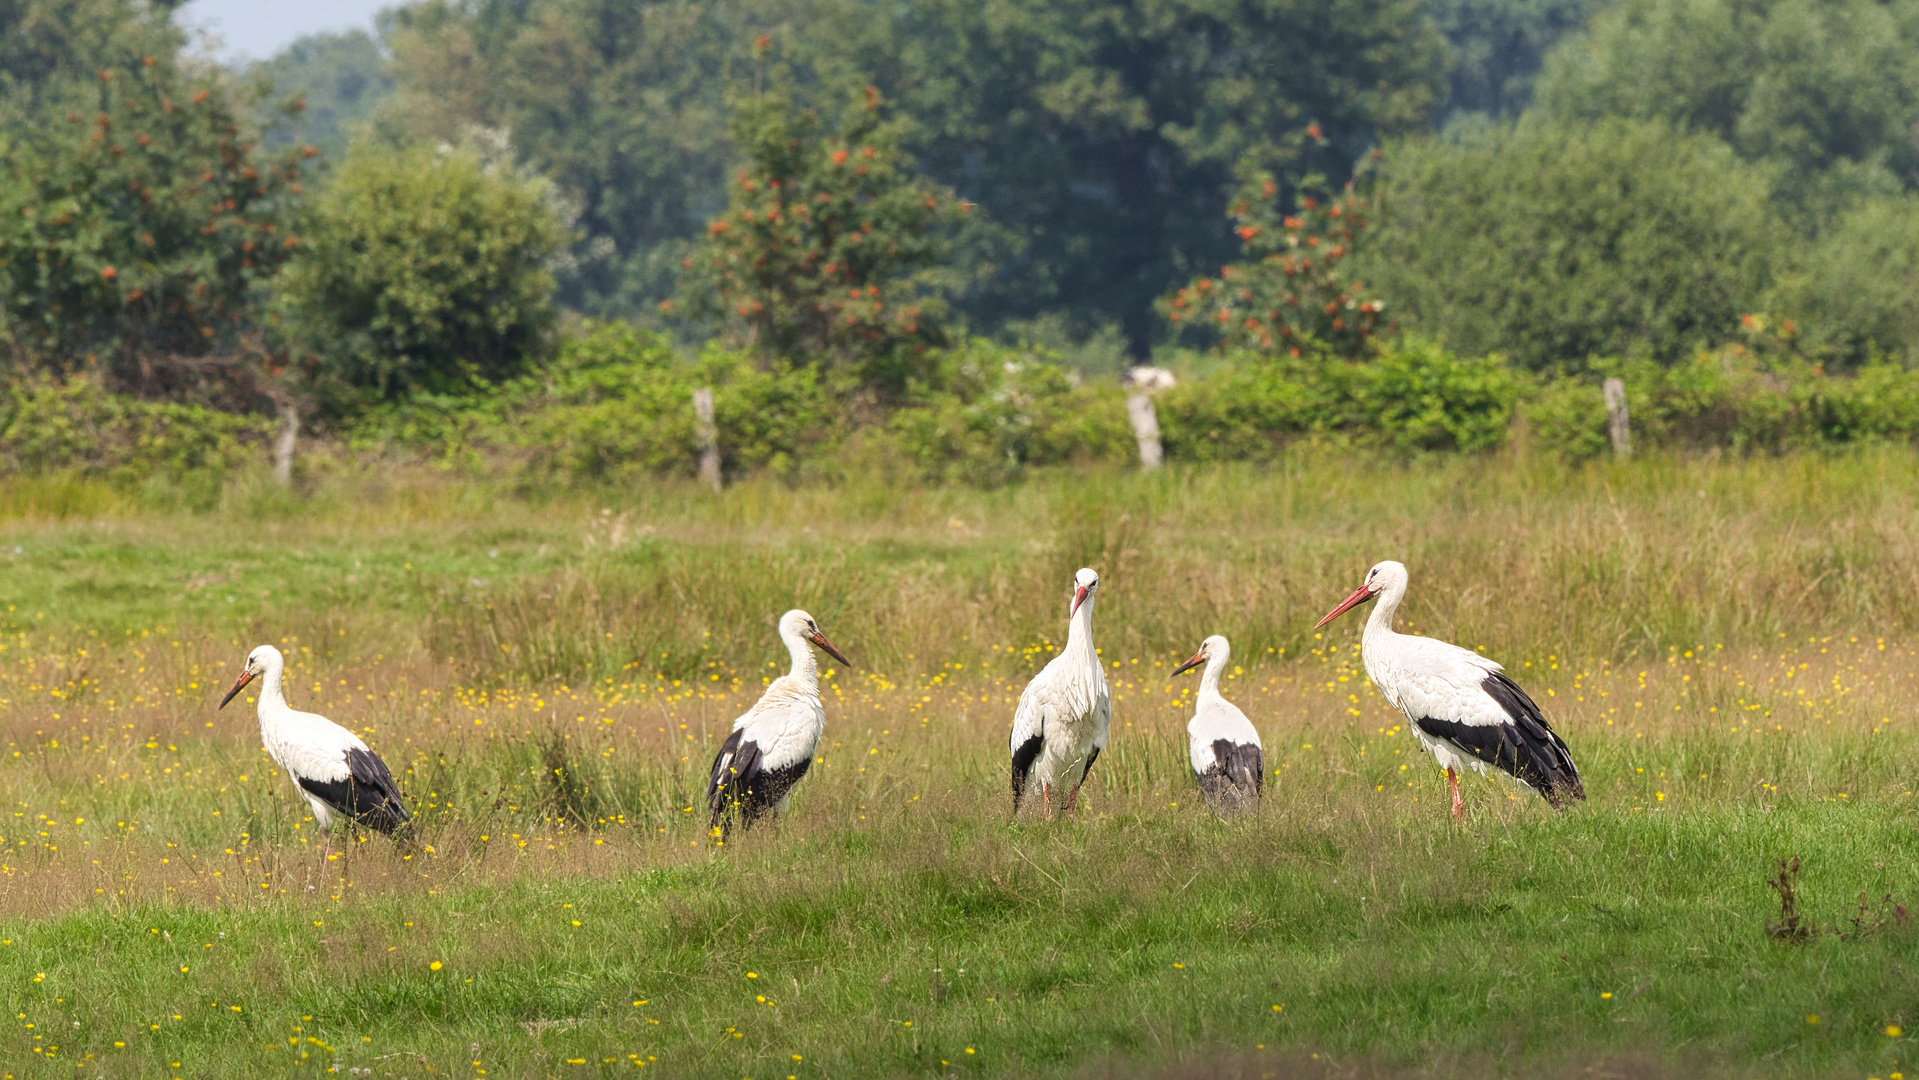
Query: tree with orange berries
(1293, 290)
(139, 216)
(830, 249)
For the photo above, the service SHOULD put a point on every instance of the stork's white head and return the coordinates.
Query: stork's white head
(797, 625)
(1387, 576)
(1213, 647)
(1085, 584)
(260, 661)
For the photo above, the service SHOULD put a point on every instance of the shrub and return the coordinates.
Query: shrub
(1730, 398)
(989, 413)
(618, 402)
(423, 270)
(1415, 397)
(1554, 244)
(75, 424)
(1420, 397)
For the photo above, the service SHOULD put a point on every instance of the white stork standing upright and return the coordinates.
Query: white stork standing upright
(772, 745)
(1060, 725)
(1464, 709)
(1224, 747)
(334, 770)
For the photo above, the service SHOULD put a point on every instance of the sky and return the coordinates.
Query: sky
(256, 29)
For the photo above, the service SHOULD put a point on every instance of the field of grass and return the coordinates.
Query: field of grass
(1729, 648)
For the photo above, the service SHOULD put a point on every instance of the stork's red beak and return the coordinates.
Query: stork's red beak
(1079, 597)
(238, 685)
(820, 640)
(1198, 659)
(1359, 596)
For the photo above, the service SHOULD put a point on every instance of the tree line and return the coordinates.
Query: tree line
(852, 187)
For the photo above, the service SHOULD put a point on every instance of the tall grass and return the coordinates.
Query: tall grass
(1726, 645)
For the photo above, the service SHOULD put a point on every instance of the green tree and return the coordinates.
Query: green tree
(1555, 244)
(1827, 90)
(1100, 136)
(1854, 290)
(623, 104)
(423, 270)
(1499, 47)
(831, 248)
(338, 79)
(1294, 288)
(1103, 137)
(138, 215)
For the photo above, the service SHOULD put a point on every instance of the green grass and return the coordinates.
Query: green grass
(1728, 647)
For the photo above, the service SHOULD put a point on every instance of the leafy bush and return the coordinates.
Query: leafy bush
(75, 424)
(1420, 397)
(618, 402)
(988, 413)
(1728, 399)
(1555, 244)
(137, 214)
(1416, 397)
(423, 270)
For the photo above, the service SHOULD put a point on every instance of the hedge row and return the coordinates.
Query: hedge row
(617, 405)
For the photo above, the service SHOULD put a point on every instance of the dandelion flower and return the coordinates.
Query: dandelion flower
(435, 966)
(1605, 995)
(1893, 1031)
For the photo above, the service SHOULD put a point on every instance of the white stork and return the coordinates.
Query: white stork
(1060, 725)
(772, 745)
(334, 770)
(1464, 709)
(1222, 743)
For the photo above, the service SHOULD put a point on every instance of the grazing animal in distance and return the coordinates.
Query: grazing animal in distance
(772, 743)
(1464, 708)
(1061, 723)
(1222, 744)
(337, 773)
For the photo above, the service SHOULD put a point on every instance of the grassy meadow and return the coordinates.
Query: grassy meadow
(1728, 646)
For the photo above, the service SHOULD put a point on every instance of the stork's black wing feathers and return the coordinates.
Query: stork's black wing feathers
(1527, 748)
(1023, 757)
(1237, 777)
(367, 795)
(742, 785)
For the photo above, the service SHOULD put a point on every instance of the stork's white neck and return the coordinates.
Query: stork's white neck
(1379, 625)
(272, 693)
(1215, 667)
(806, 666)
(1079, 634)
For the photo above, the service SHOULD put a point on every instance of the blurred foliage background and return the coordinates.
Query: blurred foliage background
(515, 235)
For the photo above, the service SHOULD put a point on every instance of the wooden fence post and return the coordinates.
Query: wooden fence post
(1146, 381)
(285, 443)
(1618, 424)
(1145, 418)
(708, 434)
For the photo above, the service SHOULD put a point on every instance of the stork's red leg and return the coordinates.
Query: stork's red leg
(1046, 800)
(1459, 805)
(1072, 798)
